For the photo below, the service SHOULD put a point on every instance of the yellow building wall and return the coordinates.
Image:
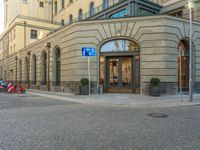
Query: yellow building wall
(19, 26)
(73, 8)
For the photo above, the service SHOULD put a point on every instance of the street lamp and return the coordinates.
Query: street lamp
(190, 6)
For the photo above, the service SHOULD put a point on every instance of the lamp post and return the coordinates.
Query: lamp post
(190, 6)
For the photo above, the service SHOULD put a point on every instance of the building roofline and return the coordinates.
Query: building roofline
(110, 20)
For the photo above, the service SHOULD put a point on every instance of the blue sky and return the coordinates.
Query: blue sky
(1, 16)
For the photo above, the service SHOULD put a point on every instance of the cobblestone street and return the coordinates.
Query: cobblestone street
(29, 122)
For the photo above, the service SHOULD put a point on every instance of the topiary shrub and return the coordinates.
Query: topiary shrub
(154, 89)
(84, 81)
(84, 86)
(154, 82)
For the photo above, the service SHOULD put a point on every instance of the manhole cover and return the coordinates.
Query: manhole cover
(157, 115)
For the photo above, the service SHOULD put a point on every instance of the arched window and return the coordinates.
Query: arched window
(105, 4)
(26, 70)
(62, 22)
(43, 68)
(70, 19)
(62, 4)
(1, 72)
(80, 14)
(183, 64)
(120, 46)
(56, 65)
(20, 70)
(92, 9)
(34, 69)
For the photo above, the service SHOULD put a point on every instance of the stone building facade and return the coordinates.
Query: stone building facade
(55, 63)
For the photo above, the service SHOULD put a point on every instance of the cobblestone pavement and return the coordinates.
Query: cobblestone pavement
(37, 123)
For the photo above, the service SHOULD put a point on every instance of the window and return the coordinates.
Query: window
(62, 22)
(56, 7)
(70, 1)
(24, 1)
(6, 14)
(41, 4)
(56, 67)
(80, 14)
(177, 14)
(92, 10)
(26, 69)
(120, 14)
(70, 19)
(144, 12)
(62, 4)
(43, 68)
(20, 70)
(120, 46)
(10, 36)
(105, 4)
(34, 69)
(14, 34)
(34, 34)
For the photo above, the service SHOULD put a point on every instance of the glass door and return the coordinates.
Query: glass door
(119, 74)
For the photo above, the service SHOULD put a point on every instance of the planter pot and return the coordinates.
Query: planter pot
(84, 90)
(154, 91)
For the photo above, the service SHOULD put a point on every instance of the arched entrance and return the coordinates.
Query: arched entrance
(56, 67)
(33, 69)
(120, 66)
(183, 65)
(43, 68)
(26, 70)
(20, 70)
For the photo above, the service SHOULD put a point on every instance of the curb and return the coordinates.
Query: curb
(86, 101)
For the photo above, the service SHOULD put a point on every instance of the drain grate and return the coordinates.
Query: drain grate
(157, 115)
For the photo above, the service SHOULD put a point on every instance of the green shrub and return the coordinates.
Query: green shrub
(84, 81)
(154, 82)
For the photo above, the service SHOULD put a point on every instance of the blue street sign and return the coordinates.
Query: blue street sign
(88, 51)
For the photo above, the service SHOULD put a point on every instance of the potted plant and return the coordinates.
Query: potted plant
(84, 86)
(154, 89)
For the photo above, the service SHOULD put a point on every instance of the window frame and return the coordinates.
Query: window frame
(34, 34)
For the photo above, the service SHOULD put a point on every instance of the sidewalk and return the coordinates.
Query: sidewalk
(128, 100)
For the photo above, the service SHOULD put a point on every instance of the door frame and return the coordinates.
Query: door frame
(120, 54)
(107, 74)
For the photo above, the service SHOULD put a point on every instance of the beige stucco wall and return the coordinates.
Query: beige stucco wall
(158, 38)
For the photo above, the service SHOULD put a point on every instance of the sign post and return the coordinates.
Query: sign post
(89, 52)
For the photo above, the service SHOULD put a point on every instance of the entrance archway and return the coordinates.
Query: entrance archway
(119, 62)
(183, 64)
(26, 70)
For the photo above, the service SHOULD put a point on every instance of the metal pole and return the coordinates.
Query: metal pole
(191, 62)
(48, 84)
(90, 101)
(180, 80)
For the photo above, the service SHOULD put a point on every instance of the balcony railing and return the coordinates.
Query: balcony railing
(107, 4)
